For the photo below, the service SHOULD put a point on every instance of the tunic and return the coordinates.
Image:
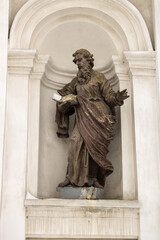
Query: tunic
(93, 131)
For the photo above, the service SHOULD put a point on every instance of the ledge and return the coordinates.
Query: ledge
(82, 203)
(59, 218)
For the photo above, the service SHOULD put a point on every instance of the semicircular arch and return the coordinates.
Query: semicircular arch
(119, 18)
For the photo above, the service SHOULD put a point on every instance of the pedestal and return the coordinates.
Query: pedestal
(90, 193)
(82, 219)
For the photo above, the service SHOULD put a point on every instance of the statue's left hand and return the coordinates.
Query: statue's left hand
(65, 106)
(122, 95)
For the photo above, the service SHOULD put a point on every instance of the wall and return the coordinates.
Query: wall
(144, 6)
(135, 70)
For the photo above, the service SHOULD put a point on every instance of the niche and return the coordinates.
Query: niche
(60, 44)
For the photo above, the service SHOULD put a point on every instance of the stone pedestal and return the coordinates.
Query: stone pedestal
(82, 219)
(90, 193)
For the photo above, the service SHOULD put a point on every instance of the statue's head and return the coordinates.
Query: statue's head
(83, 57)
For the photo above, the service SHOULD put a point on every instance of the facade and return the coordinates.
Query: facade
(36, 59)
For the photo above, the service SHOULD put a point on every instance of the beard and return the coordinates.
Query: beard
(84, 74)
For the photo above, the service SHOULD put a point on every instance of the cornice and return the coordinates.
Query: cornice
(141, 63)
(21, 61)
(26, 62)
(135, 63)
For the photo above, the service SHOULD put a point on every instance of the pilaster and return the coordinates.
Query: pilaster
(142, 72)
(156, 24)
(129, 178)
(34, 124)
(4, 21)
(20, 65)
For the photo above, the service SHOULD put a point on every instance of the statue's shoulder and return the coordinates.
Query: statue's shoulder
(99, 75)
(74, 79)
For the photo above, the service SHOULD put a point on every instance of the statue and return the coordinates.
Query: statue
(92, 99)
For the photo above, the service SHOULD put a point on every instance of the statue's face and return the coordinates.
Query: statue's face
(81, 61)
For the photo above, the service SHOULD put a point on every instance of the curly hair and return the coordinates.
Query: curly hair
(86, 54)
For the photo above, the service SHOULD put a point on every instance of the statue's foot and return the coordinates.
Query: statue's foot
(97, 184)
(65, 183)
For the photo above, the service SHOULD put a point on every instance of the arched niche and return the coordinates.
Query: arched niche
(115, 26)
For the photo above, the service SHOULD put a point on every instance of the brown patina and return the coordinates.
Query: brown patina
(94, 124)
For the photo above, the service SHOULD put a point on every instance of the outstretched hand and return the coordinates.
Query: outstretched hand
(122, 95)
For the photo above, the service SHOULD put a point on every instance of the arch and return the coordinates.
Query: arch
(119, 18)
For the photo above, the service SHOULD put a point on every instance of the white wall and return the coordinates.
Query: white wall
(4, 18)
(125, 34)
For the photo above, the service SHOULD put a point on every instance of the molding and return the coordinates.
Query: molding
(39, 67)
(40, 63)
(86, 237)
(119, 18)
(141, 63)
(20, 62)
(66, 72)
(121, 68)
(135, 63)
(56, 77)
(82, 203)
(26, 62)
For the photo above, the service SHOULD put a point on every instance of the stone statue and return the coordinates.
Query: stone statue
(93, 101)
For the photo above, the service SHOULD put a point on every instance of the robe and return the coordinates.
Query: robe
(93, 130)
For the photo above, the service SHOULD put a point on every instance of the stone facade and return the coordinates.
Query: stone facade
(42, 38)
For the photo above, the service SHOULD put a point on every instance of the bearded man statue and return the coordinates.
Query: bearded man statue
(94, 123)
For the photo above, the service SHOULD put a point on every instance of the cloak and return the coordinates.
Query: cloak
(93, 131)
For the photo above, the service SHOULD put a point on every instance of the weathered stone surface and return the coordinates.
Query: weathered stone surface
(82, 219)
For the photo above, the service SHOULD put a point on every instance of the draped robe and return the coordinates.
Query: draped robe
(93, 130)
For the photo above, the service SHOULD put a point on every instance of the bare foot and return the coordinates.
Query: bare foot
(64, 184)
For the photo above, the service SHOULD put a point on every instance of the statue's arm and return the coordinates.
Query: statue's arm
(121, 96)
(69, 88)
(111, 97)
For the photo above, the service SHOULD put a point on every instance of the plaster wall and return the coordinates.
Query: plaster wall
(65, 38)
(145, 8)
(135, 69)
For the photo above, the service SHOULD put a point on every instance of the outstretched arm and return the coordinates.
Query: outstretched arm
(111, 97)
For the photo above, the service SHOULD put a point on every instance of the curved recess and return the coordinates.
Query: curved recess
(54, 74)
(104, 22)
(120, 13)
